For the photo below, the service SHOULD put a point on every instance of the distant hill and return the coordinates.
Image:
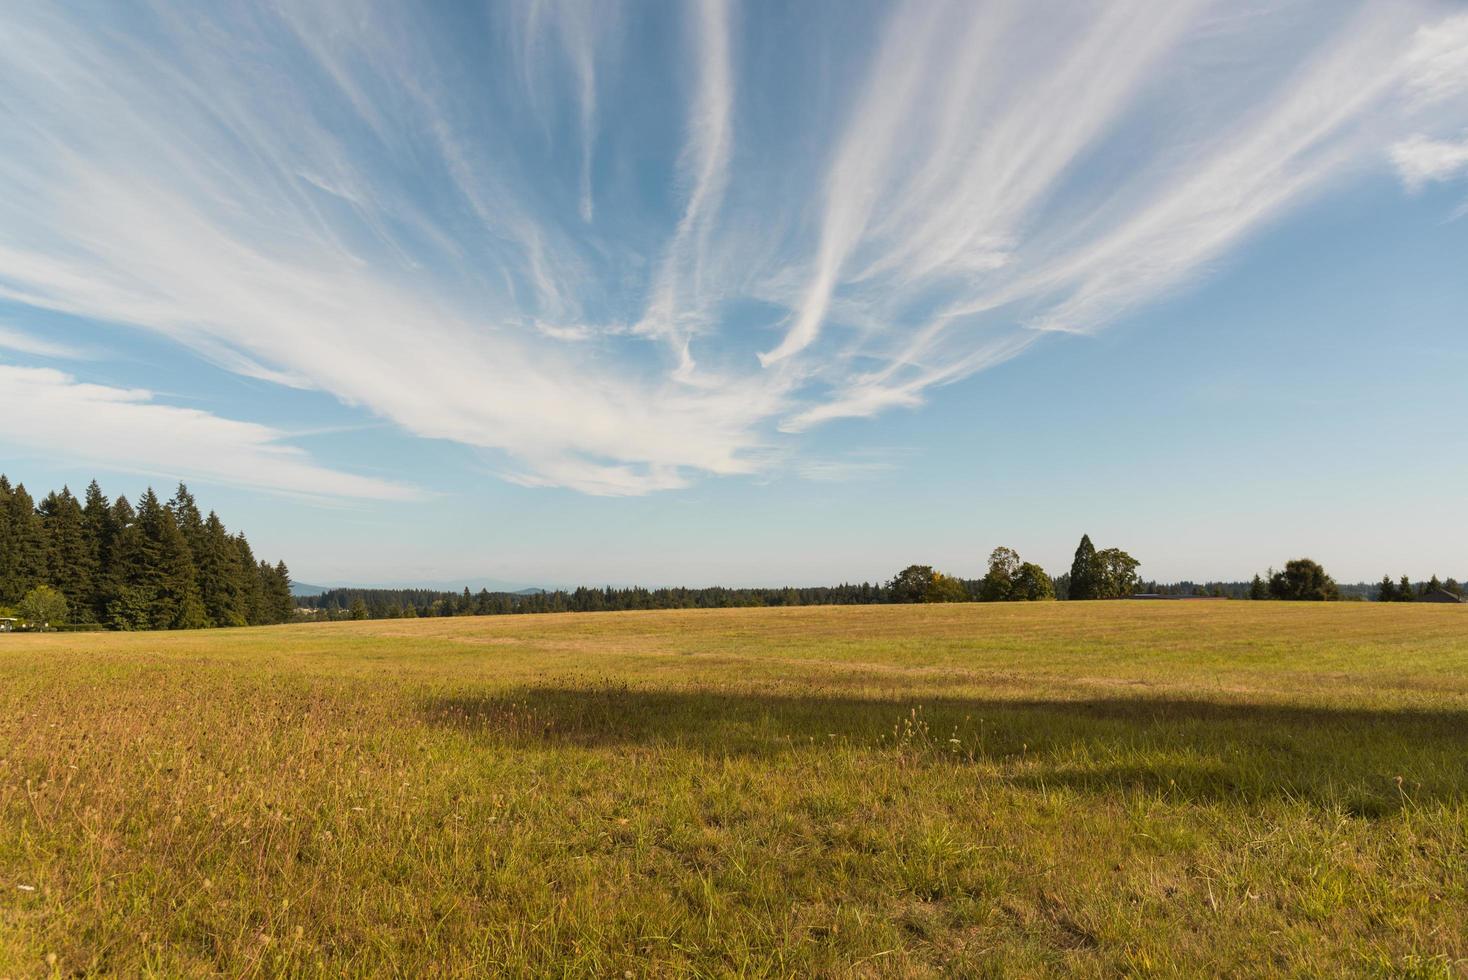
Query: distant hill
(302, 589)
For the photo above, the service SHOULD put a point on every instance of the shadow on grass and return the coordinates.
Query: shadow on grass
(1361, 761)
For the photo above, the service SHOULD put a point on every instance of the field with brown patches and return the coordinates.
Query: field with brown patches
(1067, 788)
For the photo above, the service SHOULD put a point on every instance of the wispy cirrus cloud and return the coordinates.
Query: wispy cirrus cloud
(23, 342)
(620, 248)
(1421, 160)
(127, 429)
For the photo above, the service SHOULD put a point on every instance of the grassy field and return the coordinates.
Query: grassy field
(1073, 788)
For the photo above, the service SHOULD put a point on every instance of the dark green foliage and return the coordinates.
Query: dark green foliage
(275, 582)
(1258, 589)
(1387, 590)
(944, 588)
(1011, 580)
(1115, 574)
(97, 519)
(1083, 583)
(71, 557)
(1303, 581)
(1405, 592)
(911, 584)
(22, 543)
(221, 580)
(1031, 584)
(1109, 574)
(250, 583)
(157, 567)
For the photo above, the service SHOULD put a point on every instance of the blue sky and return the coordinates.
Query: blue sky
(552, 292)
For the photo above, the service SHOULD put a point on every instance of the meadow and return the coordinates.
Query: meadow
(1169, 788)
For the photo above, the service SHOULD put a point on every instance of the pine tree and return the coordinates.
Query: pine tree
(1387, 590)
(22, 544)
(278, 599)
(251, 589)
(218, 565)
(1257, 588)
(129, 589)
(71, 561)
(1083, 578)
(1405, 592)
(97, 521)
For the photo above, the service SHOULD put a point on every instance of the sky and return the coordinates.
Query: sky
(542, 292)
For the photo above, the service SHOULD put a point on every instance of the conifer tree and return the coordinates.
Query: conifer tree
(1405, 592)
(252, 590)
(218, 565)
(1387, 590)
(279, 601)
(1083, 583)
(97, 521)
(71, 561)
(22, 543)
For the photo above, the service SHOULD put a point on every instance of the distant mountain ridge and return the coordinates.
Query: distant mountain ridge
(304, 590)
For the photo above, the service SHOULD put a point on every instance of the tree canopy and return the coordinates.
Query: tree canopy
(154, 566)
(1303, 580)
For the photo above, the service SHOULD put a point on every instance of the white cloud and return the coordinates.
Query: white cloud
(1437, 64)
(363, 203)
(126, 429)
(25, 343)
(1420, 160)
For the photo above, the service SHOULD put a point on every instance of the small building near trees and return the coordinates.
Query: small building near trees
(1440, 595)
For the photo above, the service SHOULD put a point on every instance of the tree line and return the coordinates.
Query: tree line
(1105, 574)
(155, 565)
(1403, 590)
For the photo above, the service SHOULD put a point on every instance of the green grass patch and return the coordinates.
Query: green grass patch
(1076, 789)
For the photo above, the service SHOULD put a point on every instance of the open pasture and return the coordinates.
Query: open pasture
(1064, 788)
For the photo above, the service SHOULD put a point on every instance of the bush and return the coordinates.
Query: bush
(43, 606)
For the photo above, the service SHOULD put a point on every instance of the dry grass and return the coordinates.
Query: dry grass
(1170, 788)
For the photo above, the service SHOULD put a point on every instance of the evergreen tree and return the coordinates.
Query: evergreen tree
(1257, 589)
(155, 585)
(1405, 592)
(251, 588)
(129, 589)
(279, 602)
(1083, 583)
(217, 563)
(1387, 590)
(97, 520)
(1433, 585)
(71, 560)
(22, 543)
